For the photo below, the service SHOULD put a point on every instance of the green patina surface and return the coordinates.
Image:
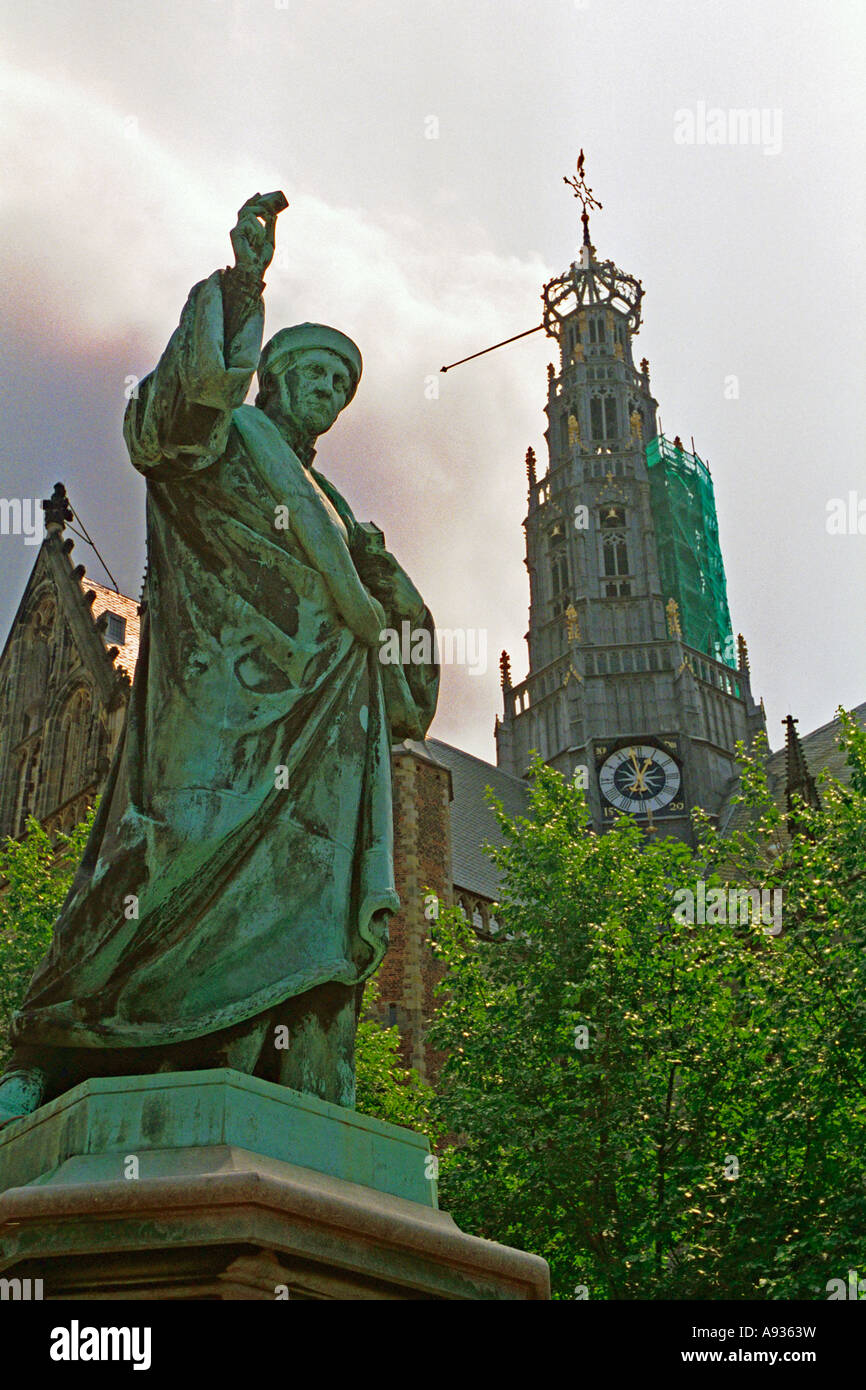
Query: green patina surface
(111, 1119)
(242, 855)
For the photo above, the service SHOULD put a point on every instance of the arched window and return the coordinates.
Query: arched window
(34, 668)
(75, 727)
(43, 618)
(552, 731)
(603, 422)
(614, 552)
(20, 815)
(28, 773)
(559, 571)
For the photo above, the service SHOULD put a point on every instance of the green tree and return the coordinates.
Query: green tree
(35, 876)
(664, 1108)
(384, 1087)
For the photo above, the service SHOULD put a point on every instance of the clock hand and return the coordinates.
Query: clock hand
(639, 783)
(634, 786)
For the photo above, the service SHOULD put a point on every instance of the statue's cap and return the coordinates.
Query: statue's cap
(315, 336)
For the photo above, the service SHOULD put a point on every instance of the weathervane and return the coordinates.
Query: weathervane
(583, 191)
(588, 200)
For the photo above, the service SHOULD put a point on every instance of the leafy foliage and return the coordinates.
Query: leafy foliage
(708, 1140)
(384, 1088)
(35, 876)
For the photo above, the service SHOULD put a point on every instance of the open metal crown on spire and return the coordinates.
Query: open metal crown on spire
(588, 283)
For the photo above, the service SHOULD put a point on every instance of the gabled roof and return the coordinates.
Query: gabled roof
(72, 587)
(821, 752)
(472, 820)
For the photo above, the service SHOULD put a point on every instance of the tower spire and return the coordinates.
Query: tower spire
(798, 779)
(583, 191)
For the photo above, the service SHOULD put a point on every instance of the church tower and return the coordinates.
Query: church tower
(635, 683)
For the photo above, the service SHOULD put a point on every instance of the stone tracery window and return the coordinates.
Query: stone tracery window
(20, 815)
(559, 581)
(477, 911)
(603, 422)
(75, 729)
(28, 772)
(42, 620)
(616, 581)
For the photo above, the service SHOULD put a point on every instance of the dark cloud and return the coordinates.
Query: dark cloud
(133, 134)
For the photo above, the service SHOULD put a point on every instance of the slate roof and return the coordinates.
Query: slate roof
(821, 751)
(472, 820)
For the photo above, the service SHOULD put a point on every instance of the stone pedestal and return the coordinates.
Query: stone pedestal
(214, 1185)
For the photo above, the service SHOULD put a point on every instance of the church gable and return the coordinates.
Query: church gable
(63, 689)
(795, 770)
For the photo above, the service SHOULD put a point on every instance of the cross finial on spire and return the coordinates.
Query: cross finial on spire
(583, 191)
(57, 510)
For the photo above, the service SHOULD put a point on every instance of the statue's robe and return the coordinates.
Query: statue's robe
(243, 849)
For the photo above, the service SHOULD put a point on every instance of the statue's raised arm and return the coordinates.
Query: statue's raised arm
(179, 420)
(248, 809)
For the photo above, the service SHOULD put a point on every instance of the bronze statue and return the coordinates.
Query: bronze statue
(236, 889)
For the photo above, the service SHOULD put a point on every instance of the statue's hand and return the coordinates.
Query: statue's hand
(253, 235)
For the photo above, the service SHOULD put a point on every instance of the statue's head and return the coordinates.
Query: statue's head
(307, 375)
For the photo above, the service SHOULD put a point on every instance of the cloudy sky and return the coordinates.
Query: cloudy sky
(422, 148)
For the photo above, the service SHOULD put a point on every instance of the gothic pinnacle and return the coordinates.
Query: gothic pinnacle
(505, 670)
(57, 510)
(530, 466)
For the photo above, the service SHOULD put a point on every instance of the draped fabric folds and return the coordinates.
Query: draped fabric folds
(242, 852)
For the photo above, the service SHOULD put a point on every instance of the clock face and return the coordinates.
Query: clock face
(639, 778)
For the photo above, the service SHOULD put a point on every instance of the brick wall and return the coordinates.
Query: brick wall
(422, 861)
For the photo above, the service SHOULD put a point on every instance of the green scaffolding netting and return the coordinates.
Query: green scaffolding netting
(690, 558)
